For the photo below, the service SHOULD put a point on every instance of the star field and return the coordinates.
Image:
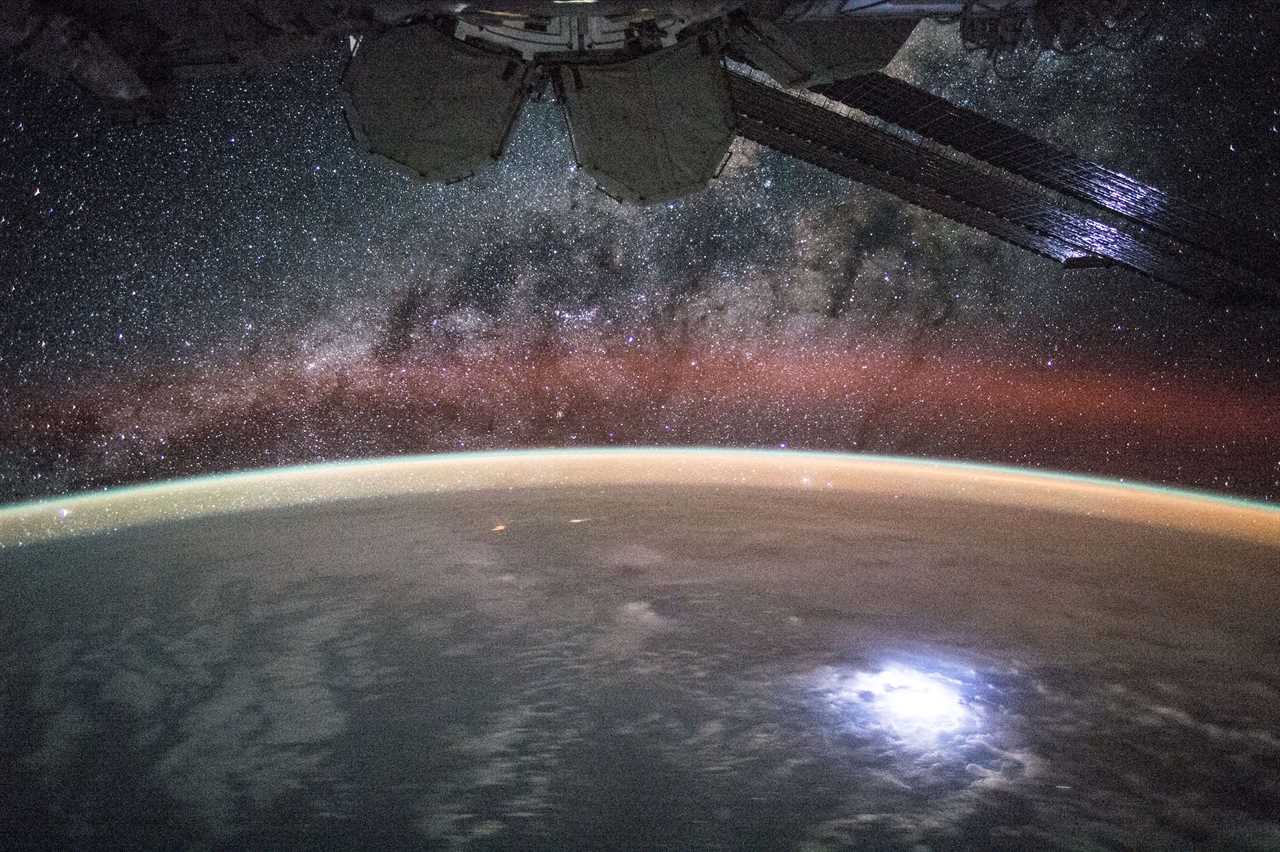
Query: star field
(238, 287)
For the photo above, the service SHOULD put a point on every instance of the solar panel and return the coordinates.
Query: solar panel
(997, 205)
(991, 141)
(922, 196)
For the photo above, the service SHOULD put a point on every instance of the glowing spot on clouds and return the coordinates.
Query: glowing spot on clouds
(634, 624)
(641, 614)
(914, 705)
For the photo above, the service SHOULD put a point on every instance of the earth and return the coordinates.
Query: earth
(647, 649)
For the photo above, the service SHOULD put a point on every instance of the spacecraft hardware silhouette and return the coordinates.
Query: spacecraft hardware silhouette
(655, 92)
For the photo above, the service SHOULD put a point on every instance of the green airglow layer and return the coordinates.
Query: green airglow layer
(19, 521)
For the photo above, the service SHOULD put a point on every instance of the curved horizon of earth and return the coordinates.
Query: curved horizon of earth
(641, 649)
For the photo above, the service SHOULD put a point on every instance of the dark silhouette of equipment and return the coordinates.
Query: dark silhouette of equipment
(655, 92)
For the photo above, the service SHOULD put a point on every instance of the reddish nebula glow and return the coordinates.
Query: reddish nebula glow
(1218, 431)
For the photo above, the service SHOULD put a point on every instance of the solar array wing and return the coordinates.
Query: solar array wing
(998, 205)
(771, 135)
(985, 139)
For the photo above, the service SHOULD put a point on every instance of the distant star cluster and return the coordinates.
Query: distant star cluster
(239, 287)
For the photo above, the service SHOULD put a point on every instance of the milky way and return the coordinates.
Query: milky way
(238, 287)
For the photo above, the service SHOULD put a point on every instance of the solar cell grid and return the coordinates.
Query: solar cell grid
(983, 138)
(1000, 206)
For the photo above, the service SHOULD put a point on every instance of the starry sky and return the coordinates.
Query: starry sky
(238, 287)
